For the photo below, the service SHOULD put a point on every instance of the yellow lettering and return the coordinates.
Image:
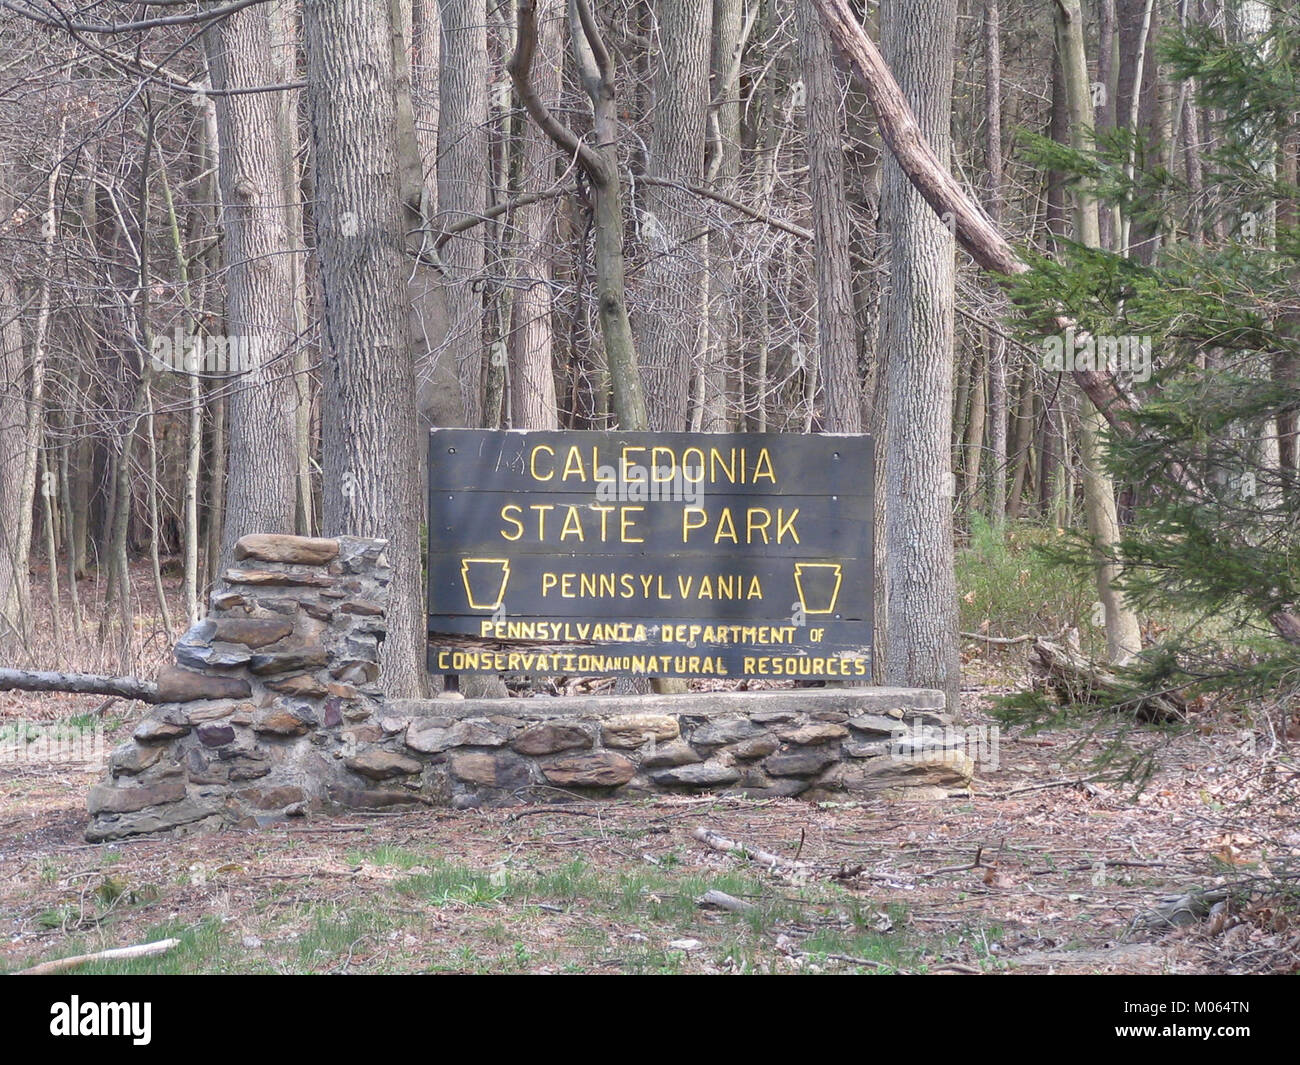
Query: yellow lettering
(627, 522)
(763, 467)
(572, 523)
(692, 520)
(532, 462)
(541, 509)
(786, 525)
(604, 513)
(752, 524)
(519, 525)
(573, 464)
(695, 466)
(729, 467)
(726, 527)
(626, 464)
(661, 472)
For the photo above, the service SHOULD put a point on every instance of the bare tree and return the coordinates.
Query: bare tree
(533, 399)
(917, 41)
(837, 339)
(463, 188)
(599, 162)
(996, 342)
(261, 331)
(669, 338)
(371, 483)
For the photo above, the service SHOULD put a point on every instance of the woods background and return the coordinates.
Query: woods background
(249, 250)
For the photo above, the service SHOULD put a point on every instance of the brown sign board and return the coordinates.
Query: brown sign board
(650, 554)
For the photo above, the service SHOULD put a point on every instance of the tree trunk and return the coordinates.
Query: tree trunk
(371, 481)
(533, 402)
(261, 335)
(1123, 633)
(917, 41)
(718, 409)
(996, 342)
(462, 188)
(13, 451)
(284, 53)
(837, 333)
(668, 331)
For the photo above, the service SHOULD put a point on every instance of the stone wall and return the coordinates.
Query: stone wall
(275, 707)
(819, 743)
(266, 695)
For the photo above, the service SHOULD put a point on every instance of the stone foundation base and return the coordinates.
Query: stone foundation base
(276, 707)
(817, 743)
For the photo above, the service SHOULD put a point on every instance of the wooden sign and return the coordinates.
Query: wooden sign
(650, 554)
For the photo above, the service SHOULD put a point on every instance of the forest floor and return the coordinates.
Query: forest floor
(1045, 869)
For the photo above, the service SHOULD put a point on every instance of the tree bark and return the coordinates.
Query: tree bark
(719, 410)
(533, 401)
(996, 342)
(837, 333)
(668, 332)
(371, 482)
(261, 335)
(462, 188)
(85, 683)
(918, 39)
(13, 451)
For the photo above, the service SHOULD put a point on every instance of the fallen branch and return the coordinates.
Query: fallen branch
(763, 858)
(1001, 641)
(720, 900)
(140, 950)
(1076, 679)
(978, 863)
(1066, 783)
(83, 683)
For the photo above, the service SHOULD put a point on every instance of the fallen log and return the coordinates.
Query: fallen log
(82, 683)
(1074, 678)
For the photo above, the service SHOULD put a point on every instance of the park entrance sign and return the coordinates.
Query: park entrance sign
(650, 554)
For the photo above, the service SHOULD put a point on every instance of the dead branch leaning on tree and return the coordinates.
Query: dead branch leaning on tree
(971, 226)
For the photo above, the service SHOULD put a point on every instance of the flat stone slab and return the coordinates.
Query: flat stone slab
(852, 701)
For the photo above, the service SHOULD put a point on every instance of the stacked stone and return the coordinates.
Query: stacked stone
(275, 705)
(266, 696)
(817, 743)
